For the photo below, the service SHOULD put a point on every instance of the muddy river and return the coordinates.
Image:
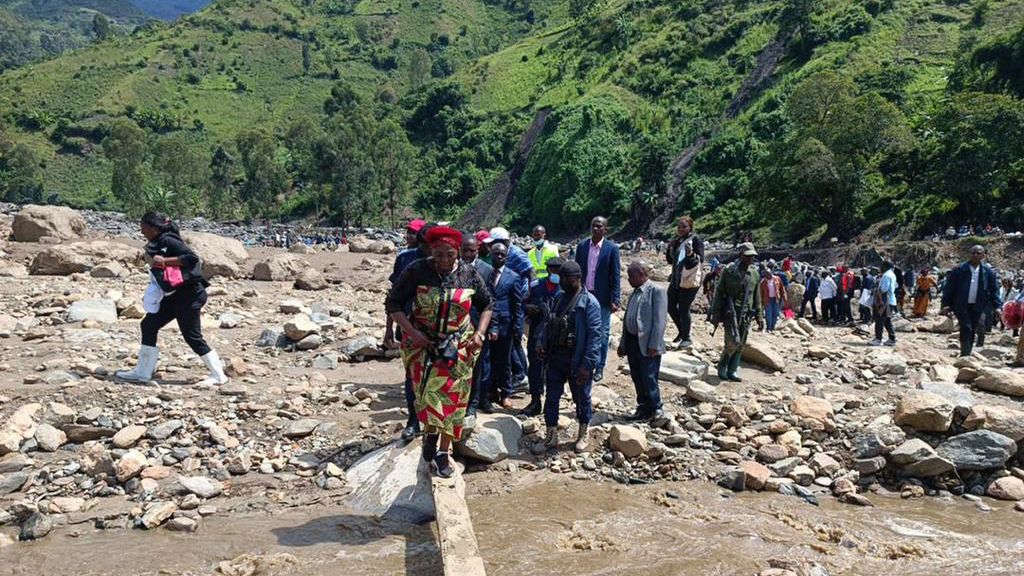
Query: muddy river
(568, 528)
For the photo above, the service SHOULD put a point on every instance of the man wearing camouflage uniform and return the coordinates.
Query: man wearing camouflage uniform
(736, 303)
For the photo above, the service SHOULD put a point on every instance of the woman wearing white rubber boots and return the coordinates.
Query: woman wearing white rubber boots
(177, 291)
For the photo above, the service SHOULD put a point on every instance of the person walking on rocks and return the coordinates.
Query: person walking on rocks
(570, 339)
(598, 258)
(811, 285)
(538, 304)
(923, 294)
(686, 255)
(508, 291)
(828, 291)
(440, 345)
(737, 302)
(774, 297)
(177, 291)
(883, 305)
(970, 288)
(643, 339)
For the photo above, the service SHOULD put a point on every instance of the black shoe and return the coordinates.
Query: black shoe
(412, 428)
(599, 375)
(532, 409)
(734, 378)
(638, 414)
(678, 339)
(486, 407)
(430, 446)
(657, 415)
(442, 465)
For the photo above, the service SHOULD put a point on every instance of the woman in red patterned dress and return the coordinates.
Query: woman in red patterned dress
(440, 345)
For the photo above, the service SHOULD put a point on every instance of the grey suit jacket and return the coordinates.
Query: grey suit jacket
(652, 316)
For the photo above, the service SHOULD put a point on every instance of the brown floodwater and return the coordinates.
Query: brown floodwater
(568, 527)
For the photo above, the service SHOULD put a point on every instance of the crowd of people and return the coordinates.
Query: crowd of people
(461, 304)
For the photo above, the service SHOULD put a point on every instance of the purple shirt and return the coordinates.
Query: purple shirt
(592, 257)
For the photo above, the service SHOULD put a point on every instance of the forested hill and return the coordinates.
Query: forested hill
(792, 118)
(169, 9)
(36, 29)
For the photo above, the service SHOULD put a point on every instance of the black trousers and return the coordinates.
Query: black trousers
(185, 306)
(812, 300)
(970, 323)
(885, 322)
(679, 302)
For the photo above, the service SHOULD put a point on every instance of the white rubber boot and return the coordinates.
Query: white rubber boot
(216, 368)
(143, 372)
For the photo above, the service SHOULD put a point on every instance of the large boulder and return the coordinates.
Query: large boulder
(629, 440)
(390, 482)
(760, 353)
(299, 327)
(310, 279)
(811, 407)
(363, 245)
(279, 267)
(978, 450)
(1009, 382)
(78, 257)
(34, 222)
(493, 439)
(795, 295)
(887, 362)
(957, 395)
(103, 311)
(1007, 488)
(1005, 421)
(917, 458)
(940, 325)
(221, 256)
(924, 411)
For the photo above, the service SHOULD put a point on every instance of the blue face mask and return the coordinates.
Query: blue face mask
(553, 278)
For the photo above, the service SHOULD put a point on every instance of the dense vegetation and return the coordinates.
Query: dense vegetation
(905, 114)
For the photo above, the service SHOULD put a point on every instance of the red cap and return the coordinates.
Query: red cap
(416, 225)
(482, 235)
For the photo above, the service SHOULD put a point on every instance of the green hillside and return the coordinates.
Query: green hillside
(793, 118)
(36, 29)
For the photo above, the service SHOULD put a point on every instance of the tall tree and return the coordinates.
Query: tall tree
(394, 159)
(23, 175)
(101, 27)
(265, 177)
(307, 59)
(419, 68)
(125, 147)
(222, 195)
(182, 169)
(345, 159)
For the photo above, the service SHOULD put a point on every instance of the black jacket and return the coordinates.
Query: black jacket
(958, 288)
(170, 245)
(691, 260)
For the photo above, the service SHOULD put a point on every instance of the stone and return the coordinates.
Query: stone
(855, 499)
(628, 440)
(301, 428)
(761, 353)
(494, 438)
(388, 482)
(33, 222)
(127, 437)
(824, 464)
(924, 411)
(363, 245)
(326, 362)
(292, 307)
(36, 526)
(954, 393)
(1009, 382)
(181, 524)
(733, 479)
(887, 362)
(108, 270)
(868, 445)
(300, 326)
(310, 279)
(770, 453)
(939, 325)
(311, 342)
(201, 486)
(157, 514)
(221, 256)
(218, 435)
(280, 267)
(802, 475)
(164, 430)
(701, 391)
(869, 465)
(66, 504)
(97, 461)
(1005, 421)
(792, 440)
(785, 466)
(49, 439)
(12, 482)
(133, 311)
(81, 433)
(229, 320)
(943, 373)
(756, 474)
(361, 347)
(1007, 488)
(236, 367)
(811, 407)
(130, 465)
(76, 257)
(271, 339)
(102, 311)
(977, 450)
(14, 462)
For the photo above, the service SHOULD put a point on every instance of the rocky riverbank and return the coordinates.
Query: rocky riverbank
(820, 414)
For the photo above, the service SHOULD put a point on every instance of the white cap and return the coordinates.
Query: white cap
(498, 234)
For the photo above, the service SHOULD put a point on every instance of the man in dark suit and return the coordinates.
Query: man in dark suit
(598, 258)
(482, 369)
(509, 291)
(971, 288)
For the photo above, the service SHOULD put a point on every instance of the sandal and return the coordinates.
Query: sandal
(442, 465)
